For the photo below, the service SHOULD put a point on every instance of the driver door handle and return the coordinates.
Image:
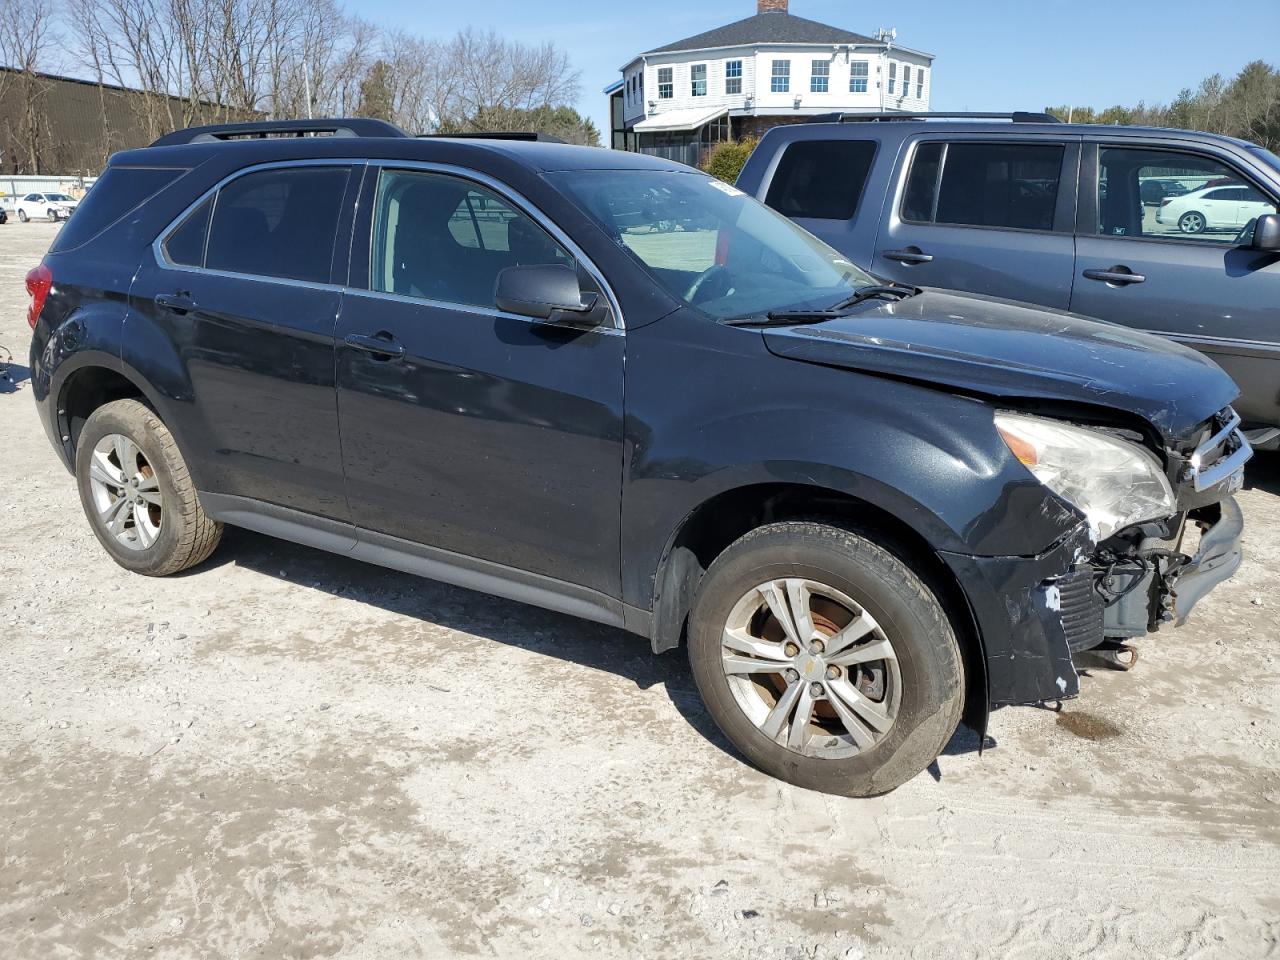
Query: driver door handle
(908, 256)
(1121, 276)
(381, 344)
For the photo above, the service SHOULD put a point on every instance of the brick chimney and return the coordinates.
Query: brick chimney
(764, 6)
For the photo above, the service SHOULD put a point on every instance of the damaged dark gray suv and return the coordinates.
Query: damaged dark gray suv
(615, 387)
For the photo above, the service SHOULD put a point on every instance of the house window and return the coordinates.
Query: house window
(906, 80)
(733, 76)
(819, 76)
(640, 88)
(920, 83)
(858, 71)
(698, 78)
(666, 83)
(893, 77)
(780, 82)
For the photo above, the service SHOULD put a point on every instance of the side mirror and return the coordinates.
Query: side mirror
(545, 291)
(1266, 233)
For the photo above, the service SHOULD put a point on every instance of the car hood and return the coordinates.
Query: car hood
(999, 349)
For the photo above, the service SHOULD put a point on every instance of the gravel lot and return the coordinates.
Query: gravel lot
(288, 754)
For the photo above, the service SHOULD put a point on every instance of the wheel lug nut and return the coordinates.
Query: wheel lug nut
(815, 689)
(816, 647)
(792, 676)
(833, 673)
(791, 649)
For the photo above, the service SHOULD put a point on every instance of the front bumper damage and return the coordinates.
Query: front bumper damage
(1033, 613)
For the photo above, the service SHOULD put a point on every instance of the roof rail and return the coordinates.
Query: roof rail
(332, 127)
(529, 135)
(1017, 116)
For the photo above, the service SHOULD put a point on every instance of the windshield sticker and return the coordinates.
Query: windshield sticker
(726, 188)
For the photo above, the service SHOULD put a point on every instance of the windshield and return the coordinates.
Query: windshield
(710, 244)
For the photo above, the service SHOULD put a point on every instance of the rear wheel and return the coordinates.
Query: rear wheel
(22, 215)
(825, 659)
(1192, 222)
(137, 492)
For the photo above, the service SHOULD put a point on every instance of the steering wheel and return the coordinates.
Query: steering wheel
(711, 282)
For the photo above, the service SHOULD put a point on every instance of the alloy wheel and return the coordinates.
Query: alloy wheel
(811, 668)
(126, 492)
(1191, 223)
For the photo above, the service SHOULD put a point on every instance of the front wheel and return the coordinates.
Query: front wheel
(51, 215)
(825, 659)
(138, 494)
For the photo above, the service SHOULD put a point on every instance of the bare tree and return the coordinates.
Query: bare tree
(26, 35)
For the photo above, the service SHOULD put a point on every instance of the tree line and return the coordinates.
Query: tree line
(209, 61)
(1247, 106)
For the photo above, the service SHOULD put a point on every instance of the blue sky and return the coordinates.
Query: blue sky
(997, 55)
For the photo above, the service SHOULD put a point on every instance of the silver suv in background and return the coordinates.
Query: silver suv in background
(1075, 217)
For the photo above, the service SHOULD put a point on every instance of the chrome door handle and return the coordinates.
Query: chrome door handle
(381, 344)
(1120, 276)
(907, 256)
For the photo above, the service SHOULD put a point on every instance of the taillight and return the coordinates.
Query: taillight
(39, 281)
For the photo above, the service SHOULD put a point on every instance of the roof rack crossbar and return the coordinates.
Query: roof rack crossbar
(1017, 116)
(333, 127)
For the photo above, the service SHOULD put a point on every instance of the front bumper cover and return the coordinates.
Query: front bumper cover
(1028, 636)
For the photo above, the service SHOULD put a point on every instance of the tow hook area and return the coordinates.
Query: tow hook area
(1121, 655)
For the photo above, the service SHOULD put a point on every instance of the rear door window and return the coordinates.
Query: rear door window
(278, 223)
(821, 179)
(1009, 185)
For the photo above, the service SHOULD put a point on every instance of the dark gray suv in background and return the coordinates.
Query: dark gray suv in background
(1168, 231)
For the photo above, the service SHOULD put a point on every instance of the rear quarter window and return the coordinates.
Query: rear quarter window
(821, 179)
(118, 191)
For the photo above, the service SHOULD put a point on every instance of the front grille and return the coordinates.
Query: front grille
(1222, 451)
(1080, 609)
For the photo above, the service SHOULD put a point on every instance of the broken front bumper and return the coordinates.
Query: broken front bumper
(1033, 612)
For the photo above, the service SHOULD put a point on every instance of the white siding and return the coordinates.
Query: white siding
(757, 71)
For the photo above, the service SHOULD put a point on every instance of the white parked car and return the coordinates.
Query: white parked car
(46, 206)
(1213, 208)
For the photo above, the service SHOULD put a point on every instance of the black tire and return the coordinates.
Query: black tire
(186, 534)
(1187, 222)
(928, 657)
(22, 215)
(51, 215)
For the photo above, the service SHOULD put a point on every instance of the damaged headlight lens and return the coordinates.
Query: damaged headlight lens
(1113, 483)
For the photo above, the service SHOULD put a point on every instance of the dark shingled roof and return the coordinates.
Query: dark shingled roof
(772, 26)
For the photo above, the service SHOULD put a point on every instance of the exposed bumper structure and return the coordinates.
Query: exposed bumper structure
(1034, 612)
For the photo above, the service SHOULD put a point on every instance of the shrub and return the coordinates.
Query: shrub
(725, 160)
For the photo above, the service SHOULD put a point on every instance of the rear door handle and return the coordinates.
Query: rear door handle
(909, 255)
(179, 303)
(381, 344)
(1120, 276)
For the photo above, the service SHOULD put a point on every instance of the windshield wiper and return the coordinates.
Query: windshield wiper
(787, 318)
(893, 291)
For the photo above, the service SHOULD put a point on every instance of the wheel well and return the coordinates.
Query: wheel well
(720, 521)
(84, 392)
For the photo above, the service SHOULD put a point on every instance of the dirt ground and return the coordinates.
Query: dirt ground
(286, 754)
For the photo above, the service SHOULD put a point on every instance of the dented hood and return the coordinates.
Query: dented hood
(1001, 349)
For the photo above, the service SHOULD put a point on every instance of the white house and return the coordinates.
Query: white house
(738, 80)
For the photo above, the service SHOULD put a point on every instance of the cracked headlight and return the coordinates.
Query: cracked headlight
(1113, 483)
